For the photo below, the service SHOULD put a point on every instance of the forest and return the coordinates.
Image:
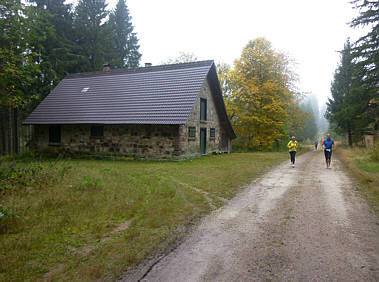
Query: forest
(352, 110)
(42, 41)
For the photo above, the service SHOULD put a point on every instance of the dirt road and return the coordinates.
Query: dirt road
(293, 224)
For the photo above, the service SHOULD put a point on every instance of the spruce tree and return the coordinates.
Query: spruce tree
(366, 49)
(346, 109)
(58, 48)
(122, 41)
(90, 33)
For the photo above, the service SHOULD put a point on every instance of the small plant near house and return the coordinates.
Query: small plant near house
(87, 182)
(34, 174)
(6, 219)
(4, 213)
(374, 155)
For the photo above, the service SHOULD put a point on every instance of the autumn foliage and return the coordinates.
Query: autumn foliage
(260, 96)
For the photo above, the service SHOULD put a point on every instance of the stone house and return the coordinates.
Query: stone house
(153, 112)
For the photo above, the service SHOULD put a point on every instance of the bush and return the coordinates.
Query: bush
(26, 156)
(7, 219)
(88, 183)
(35, 174)
(374, 154)
(4, 213)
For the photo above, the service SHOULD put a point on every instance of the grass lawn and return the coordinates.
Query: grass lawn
(362, 167)
(103, 216)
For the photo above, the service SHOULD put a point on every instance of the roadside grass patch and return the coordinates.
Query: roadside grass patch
(365, 168)
(66, 223)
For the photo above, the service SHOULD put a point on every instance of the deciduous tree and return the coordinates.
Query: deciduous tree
(184, 57)
(261, 85)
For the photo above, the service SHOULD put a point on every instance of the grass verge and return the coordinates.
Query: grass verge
(103, 216)
(364, 169)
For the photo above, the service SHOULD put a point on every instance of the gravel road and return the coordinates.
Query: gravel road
(306, 223)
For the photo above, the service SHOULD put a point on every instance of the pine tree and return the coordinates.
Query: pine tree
(90, 33)
(122, 40)
(346, 109)
(366, 49)
(58, 49)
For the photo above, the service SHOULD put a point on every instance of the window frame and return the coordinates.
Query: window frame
(192, 129)
(55, 134)
(212, 130)
(94, 132)
(203, 113)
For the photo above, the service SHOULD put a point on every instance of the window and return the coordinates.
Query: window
(191, 132)
(85, 89)
(203, 109)
(212, 133)
(97, 131)
(55, 134)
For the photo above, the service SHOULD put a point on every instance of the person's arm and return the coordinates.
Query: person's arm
(323, 145)
(333, 146)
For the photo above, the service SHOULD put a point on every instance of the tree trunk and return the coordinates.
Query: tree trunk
(350, 135)
(2, 132)
(9, 131)
(15, 132)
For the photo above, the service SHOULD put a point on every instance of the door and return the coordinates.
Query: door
(203, 141)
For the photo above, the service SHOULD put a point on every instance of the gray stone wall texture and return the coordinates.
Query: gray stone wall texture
(148, 141)
(141, 141)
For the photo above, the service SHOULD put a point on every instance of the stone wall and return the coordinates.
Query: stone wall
(221, 141)
(150, 141)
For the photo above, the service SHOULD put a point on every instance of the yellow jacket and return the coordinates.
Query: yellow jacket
(292, 146)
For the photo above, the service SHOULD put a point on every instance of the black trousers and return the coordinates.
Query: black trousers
(328, 154)
(293, 154)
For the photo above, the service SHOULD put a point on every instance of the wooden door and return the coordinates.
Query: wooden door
(203, 141)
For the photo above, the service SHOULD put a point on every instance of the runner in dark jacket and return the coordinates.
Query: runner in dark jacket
(328, 146)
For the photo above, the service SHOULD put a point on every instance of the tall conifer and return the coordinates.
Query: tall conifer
(346, 109)
(90, 33)
(123, 42)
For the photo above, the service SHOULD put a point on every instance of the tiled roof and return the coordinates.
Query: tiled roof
(150, 95)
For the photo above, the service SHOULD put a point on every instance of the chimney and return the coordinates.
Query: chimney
(148, 65)
(106, 67)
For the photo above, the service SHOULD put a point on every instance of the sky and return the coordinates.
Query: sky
(311, 32)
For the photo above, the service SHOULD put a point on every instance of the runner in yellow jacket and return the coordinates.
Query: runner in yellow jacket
(292, 146)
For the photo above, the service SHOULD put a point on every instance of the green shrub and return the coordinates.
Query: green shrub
(26, 156)
(4, 213)
(374, 154)
(87, 182)
(7, 219)
(34, 174)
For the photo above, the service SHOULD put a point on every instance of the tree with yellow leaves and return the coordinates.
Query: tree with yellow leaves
(260, 94)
